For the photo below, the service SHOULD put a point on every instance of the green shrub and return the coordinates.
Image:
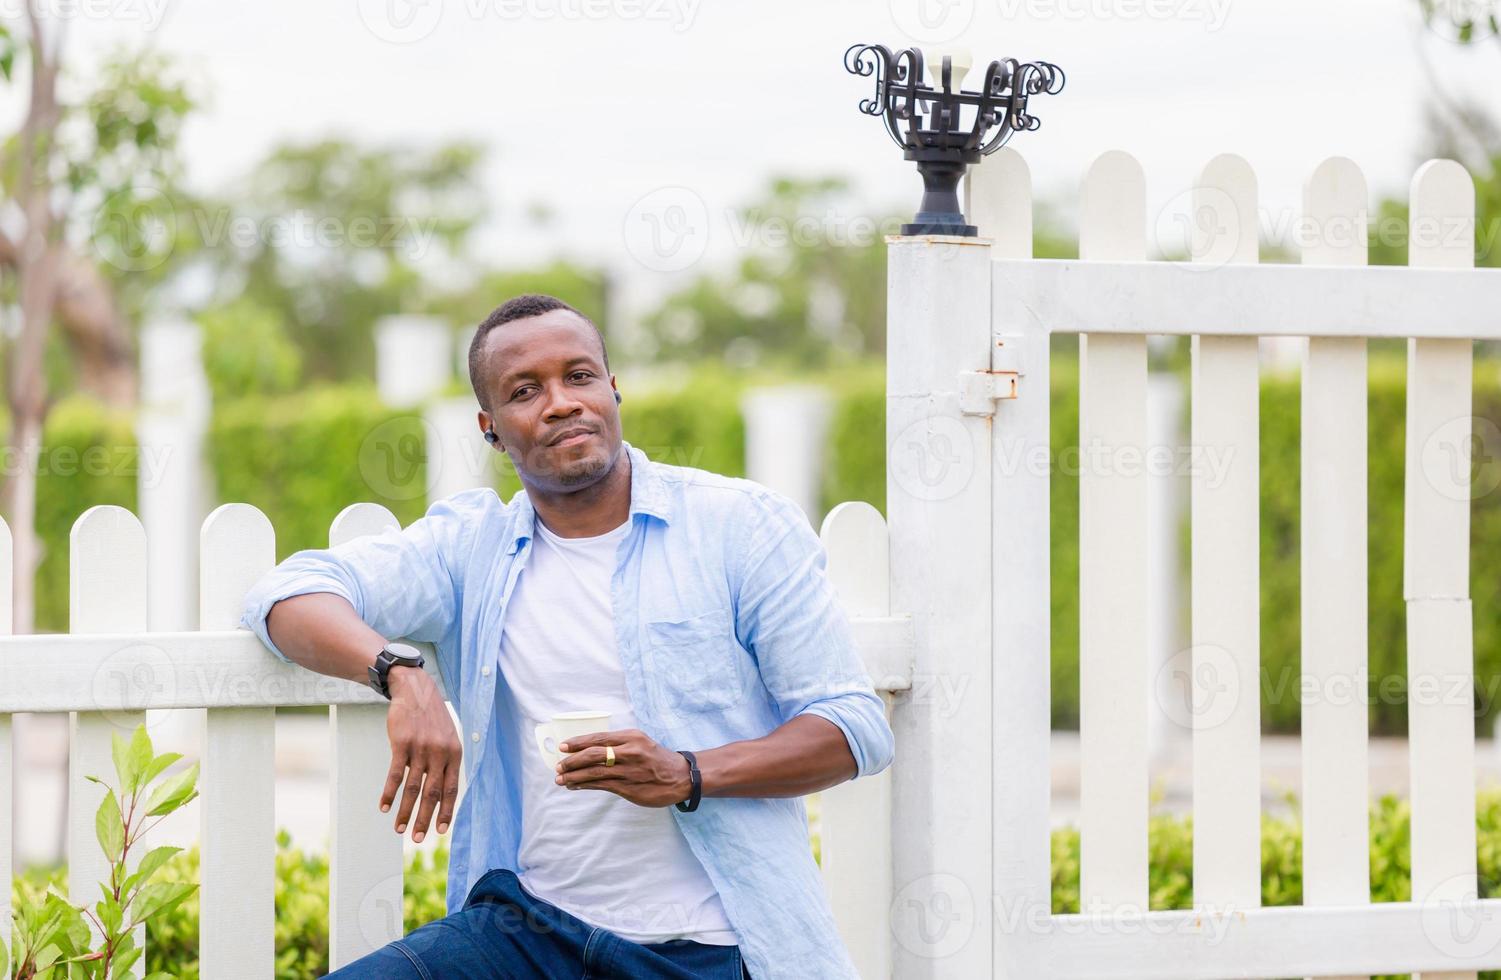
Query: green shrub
(89, 457)
(246, 351)
(301, 908)
(303, 458)
(302, 881)
(1170, 858)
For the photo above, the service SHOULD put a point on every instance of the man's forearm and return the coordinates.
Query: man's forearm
(804, 755)
(322, 632)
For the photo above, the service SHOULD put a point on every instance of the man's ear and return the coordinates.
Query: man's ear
(487, 427)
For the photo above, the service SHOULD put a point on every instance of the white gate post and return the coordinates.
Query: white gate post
(785, 439)
(458, 458)
(1000, 194)
(938, 505)
(173, 484)
(414, 358)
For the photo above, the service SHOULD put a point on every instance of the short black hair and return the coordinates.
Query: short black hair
(520, 308)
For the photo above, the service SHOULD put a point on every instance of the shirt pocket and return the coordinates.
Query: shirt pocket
(696, 663)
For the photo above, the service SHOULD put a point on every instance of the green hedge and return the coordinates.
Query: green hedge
(89, 457)
(302, 457)
(302, 882)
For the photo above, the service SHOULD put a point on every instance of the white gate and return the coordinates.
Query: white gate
(967, 411)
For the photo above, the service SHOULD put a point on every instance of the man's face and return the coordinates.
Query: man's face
(546, 377)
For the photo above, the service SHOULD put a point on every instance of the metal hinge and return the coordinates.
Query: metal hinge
(980, 390)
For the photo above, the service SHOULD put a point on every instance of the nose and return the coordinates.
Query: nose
(562, 401)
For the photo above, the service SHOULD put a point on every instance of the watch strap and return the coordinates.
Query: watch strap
(696, 779)
(381, 669)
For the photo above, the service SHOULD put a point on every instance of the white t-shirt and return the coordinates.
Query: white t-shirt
(596, 855)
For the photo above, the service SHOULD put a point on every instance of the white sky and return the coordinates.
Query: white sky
(594, 106)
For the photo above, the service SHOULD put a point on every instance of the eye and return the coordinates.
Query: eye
(584, 373)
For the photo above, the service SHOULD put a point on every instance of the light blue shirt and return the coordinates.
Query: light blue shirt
(727, 626)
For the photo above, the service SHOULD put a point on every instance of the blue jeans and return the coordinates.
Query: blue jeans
(505, 933)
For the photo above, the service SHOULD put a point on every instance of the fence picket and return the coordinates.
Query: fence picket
(237, 918)
(1114, 675)
(1436, 566)
(855, 817)
(1019, 593)
(1336, 824)
(365, 858)
(106, 594)
(1224, 682)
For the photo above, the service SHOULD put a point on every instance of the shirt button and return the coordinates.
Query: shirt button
(485, 671)
(474, 736)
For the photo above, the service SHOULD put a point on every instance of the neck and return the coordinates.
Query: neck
(602, 506)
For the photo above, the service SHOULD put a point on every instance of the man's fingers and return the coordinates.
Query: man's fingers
(577, 742)
(583, 758)
(594, 774)
(409, 795)
(393, 780)
(450, 797)
(431, 796)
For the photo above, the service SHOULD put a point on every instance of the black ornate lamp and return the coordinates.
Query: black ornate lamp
(936, 136)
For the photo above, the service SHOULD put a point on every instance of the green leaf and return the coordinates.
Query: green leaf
(122, 961)
(137, 758)
(173, 793)
(47, 957)
(110, 915)
(157, 766)
(109, 826)
(153, 860)
(119, 750)
(158, 898)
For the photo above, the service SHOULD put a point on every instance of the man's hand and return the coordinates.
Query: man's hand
(644, 772)
(425, 748)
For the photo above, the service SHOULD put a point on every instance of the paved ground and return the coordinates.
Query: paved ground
(302, 778)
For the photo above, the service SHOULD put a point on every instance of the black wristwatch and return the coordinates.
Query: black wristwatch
(697, 781)
(384, 661)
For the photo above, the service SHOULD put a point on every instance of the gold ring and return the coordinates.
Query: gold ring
(609, 755)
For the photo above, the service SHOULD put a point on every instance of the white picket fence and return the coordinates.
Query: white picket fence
(940, 867)
(969, 330)
(108, 670)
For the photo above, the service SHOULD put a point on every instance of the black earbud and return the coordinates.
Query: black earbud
(617, 398)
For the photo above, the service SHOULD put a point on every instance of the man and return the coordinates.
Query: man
(691, 607)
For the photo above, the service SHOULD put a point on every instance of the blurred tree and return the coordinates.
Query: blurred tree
(331, 235)
(586, 289)
(808, 291)
(74, 167)
(1466, 21)
(246, 351)
(1458, 128)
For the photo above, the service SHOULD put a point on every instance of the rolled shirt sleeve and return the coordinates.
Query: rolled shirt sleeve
(788, 616)
(401, 582)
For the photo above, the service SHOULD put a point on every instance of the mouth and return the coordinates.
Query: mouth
(572, 437)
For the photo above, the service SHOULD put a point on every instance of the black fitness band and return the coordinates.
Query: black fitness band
(698, 783)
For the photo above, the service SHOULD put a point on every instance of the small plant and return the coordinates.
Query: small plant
(53, 938)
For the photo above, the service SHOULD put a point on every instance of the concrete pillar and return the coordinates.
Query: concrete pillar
(174, 487)
(786, 441)
(413, 359)
(458, 457)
